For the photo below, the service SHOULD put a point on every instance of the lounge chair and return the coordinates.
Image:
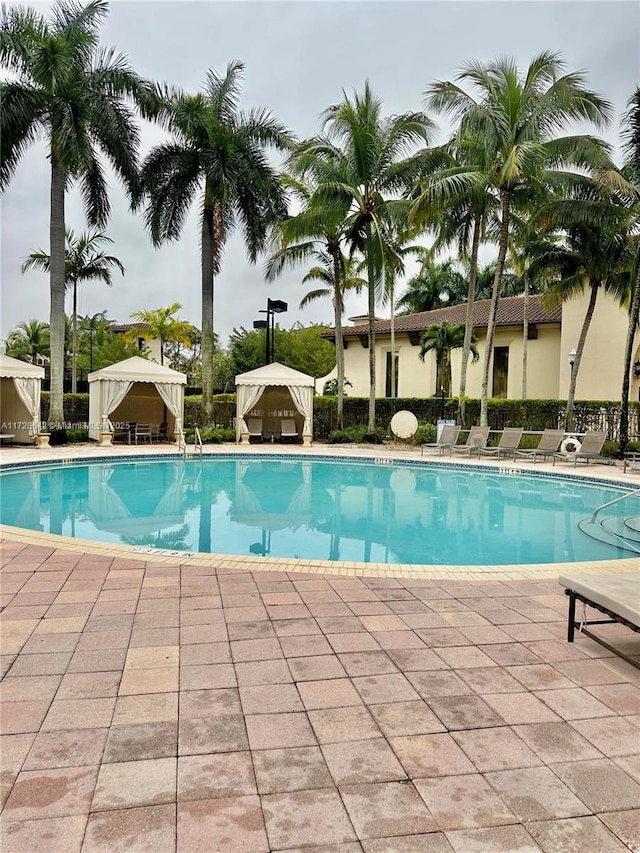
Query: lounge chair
(617, 596)
(592, 444)
(476, 439)
(547, 446)
(254, 425)
(508, 444)
(448, 437)
(288, 431)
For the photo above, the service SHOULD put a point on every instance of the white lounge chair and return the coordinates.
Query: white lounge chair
(288, 431)
(254, 425)
(617, 596)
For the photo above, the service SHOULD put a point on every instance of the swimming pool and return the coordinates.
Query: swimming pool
(348, 510)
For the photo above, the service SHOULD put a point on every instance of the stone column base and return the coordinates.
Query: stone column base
(42, 439)
(244, 438)
(306, 441)
(106, 439)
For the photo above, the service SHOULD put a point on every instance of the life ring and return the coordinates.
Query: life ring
(570, 442)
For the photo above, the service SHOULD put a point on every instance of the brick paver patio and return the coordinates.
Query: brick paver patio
(161, 708)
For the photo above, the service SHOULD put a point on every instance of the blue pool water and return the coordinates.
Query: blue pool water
(343, 510)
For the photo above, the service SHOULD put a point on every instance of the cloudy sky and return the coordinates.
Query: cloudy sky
(299, 58)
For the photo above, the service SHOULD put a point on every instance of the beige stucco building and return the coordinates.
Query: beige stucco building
(552, 336)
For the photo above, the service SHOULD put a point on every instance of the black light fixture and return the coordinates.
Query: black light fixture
(572, 359)
(274, 306)
(636, 368)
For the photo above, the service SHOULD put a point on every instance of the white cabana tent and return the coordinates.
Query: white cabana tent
(274, 392)
(20, 385)
(136, 391)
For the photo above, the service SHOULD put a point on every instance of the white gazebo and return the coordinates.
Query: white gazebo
(136, 391)
(20, 385)
(274, 393)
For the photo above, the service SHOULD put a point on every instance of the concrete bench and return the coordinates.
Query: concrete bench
(617, 596)
(7, 436)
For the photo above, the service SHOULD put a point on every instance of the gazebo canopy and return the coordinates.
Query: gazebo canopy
(136, 369)
(20, 397)
(251, 387)
(13, 367)
(108, 388)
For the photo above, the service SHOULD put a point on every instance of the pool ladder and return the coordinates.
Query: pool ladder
(197, 446)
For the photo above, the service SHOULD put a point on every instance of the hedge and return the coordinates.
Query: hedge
(531, 414)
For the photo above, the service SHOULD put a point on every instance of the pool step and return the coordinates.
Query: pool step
(619, 532)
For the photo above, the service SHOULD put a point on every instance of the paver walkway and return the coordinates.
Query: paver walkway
(161, 708)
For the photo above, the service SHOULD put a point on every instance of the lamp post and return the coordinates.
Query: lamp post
(274, 306)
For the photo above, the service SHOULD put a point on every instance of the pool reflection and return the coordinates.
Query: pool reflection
(313, 510)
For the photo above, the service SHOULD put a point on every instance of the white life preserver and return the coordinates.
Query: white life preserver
(570, 445)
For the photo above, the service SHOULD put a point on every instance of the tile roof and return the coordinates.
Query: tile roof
(126, 327)
(510, 313)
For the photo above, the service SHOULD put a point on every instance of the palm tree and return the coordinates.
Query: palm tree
(456, 200)
(65, 89)
(515, 118)
(441, 339)
(218, 153)
(92, 324)
(320, 237)
(436, 285)
(29, 340)
(631, 139)
(359, 169)
(161, 323)
(83, 262)
(591, 256)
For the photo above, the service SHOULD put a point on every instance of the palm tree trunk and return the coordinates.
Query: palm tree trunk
(495, 296)
(372, 333)
(634, 314)
(468, 323)
(394, 390)
(207, 314)
(74, 338)
(525, 335)
(569, 419)
(337, 310)
(57, 292)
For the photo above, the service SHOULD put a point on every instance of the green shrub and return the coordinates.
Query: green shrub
(425, 434)
(74, 436)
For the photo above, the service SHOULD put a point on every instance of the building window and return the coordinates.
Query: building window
(500, 371)
(140, 343)
(387, 391)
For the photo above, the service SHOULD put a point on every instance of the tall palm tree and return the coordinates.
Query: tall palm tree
(516, 117)
(217, 154)
(29, 340)
(314, 235)
(591, 257)
(161, 323)
(360, 168)
(441, 339)
(457, 201)
(66, 89)
(83, 262)
(631, 140)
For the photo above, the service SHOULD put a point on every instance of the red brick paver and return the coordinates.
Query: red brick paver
(151, 708)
